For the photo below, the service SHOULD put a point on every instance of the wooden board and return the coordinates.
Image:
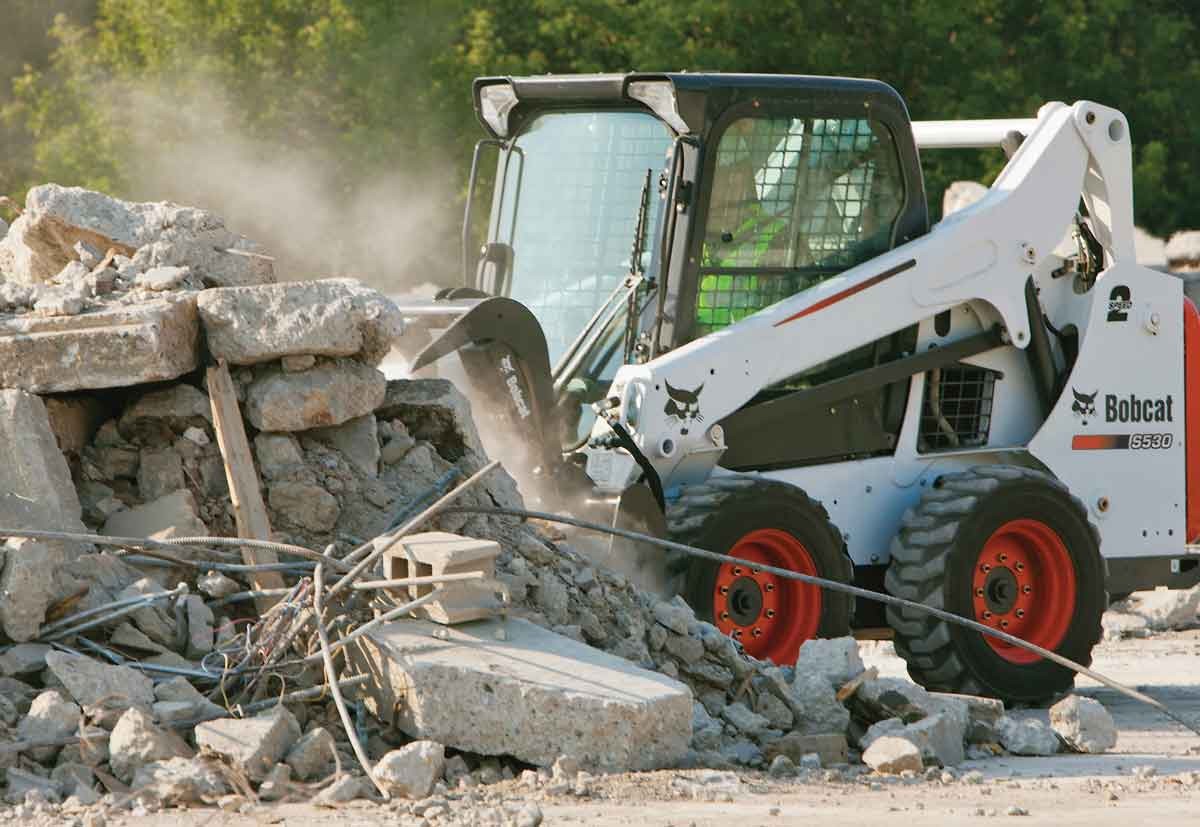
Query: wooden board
(248, 506)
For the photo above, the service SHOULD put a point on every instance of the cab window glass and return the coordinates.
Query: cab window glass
(794, 201)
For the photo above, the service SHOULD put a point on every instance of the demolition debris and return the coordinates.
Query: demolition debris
(163, 393)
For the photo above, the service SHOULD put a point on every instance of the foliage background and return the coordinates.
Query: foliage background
(339, 131)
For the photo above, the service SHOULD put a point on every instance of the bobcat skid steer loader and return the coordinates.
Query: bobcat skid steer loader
(792, 367)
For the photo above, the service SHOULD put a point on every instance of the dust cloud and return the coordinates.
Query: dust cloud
(394, 232)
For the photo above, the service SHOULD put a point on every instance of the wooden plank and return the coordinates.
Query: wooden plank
(248, 506)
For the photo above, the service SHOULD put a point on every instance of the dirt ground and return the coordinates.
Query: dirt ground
(1152, 776)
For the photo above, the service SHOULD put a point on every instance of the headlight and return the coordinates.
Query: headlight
(633, 405)
(496, 100)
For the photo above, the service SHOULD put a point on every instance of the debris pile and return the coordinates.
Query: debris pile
(162, 395)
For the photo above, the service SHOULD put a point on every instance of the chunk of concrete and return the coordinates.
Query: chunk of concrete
(304, 504)
(982, 714)
(200, 626)
(412, 770)
(835, 659)
(882, 698)
(939, 737)
(1084, 724)
(1167, 609)
(278, 455)
(26, 586)
(42, 240)
(331, 317)
(36, 491)
(533, 695)
(173, 515)
(436, 411)
(438, 553)
(24, 659)
(313, 755)
(160, 473)
(328, 394)
(115, 347)
(90, 681)
(254, 744)
(136, 741)
(179, 782)
(1027, 736)
(356, 440)
(893, 755)
(74, 420)
(22, 782)
(815, 706)
(831, 747)
(51, 716)
(159, 415)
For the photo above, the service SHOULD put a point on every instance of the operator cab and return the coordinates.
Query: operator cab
(634, 213)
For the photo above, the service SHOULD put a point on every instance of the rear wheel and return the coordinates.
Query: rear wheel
(1012, 549)
(768, 522)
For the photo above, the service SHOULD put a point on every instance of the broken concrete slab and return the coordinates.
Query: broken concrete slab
(51, 716)
(513, 688)
(304, 504)
(438, 553)
(1084, 724)
(173, 515)
(157, 416)
(254, 744)
(939, 737)
(114, 347)
(74, 420)
(331, 317)
(90, 681)
(831, 747)
(328, 394)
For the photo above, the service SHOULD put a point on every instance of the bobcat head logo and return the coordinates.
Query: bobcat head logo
(1084, 404)
(683, 406)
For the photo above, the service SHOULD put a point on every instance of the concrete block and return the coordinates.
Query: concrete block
(437, 553)
(110, 348)
(328, 394)
(512, 688)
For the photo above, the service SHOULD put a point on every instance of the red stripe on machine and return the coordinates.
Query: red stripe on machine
(849, 291)
(1099, 442)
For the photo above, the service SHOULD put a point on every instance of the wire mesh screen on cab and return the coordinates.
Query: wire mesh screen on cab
(794, 201)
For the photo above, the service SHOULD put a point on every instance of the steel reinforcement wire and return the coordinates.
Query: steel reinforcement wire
(833, 585)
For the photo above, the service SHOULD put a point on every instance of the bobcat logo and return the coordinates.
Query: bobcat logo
(1084, 404)
(683, 406)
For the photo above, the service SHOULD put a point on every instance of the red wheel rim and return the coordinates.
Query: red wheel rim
(1024, 584)
(769, 615)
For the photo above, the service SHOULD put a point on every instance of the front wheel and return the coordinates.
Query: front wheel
(769, 522)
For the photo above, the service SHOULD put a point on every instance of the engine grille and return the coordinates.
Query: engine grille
(957, 409)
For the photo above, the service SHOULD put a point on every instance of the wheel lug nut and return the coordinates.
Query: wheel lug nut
(1027, 589)
(757, 632)
(1003, 557)
(1020, 567)
(724, 590)
(737, 570)
(769, 587)
(1003, 624)
(986, 567)
(979, 592)
(770, 612)
(1020, 612)
(724, 615)
(987, 615)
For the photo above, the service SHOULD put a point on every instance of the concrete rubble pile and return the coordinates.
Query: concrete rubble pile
(137, 672)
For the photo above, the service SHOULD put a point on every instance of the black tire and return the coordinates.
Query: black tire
(724, 510)
(935, 558)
